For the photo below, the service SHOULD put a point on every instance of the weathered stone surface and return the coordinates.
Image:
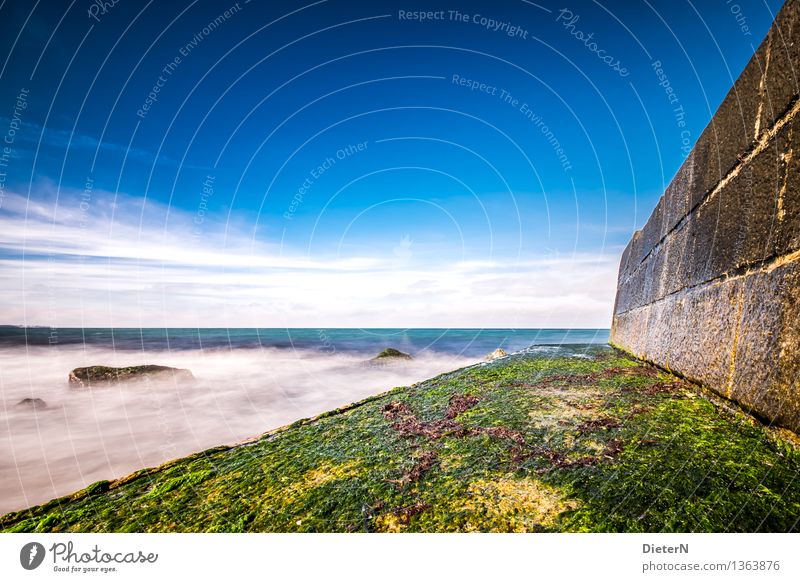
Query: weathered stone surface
(664, 272)
(731, 132)
(710, 287)
(667, 332)
(676, 197)
(631, 293)
(782, 80)
(752, 217)
(630, 262)
(786, 235)
(672, 263)
(652, 231)
(766, 373)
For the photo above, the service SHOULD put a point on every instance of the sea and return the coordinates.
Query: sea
(247, 382)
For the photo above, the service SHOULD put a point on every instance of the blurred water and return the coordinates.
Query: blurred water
(247, 382)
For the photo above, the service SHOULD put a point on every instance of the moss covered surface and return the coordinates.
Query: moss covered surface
(390, 353)
(522, 444)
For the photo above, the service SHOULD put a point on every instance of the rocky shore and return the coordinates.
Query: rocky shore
(523, 443)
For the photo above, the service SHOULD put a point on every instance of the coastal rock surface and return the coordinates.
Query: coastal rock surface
(85, 377)
(497, 354)
(389, 356)
(392, 354)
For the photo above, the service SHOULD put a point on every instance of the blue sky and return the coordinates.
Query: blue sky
(330, 164)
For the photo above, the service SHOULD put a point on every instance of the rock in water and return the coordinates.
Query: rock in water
(32, 403)
(498, 353)
(85, 377)
(392, 354)
(388, 357)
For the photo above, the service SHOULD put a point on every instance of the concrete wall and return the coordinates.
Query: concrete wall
(710, 287)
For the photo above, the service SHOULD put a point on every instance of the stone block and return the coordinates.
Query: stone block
(676, 197)
(766, 372)
(652, 231)
(677, 257)
(703, 322)
(786, 153)
(782, 80)
(731, 132)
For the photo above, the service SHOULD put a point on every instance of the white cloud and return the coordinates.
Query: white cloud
(125, 264)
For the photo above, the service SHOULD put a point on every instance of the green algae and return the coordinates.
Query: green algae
(392, 354)
(527, 443)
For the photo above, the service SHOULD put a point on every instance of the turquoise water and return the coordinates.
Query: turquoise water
(466, 342)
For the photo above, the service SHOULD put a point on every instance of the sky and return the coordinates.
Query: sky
(341, 164)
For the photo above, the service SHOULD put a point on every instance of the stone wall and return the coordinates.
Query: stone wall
(710, 287)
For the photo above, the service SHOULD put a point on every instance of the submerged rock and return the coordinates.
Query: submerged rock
(392, 354)
(85, 377)
(498, 353)
(387, 357)
(32, 403)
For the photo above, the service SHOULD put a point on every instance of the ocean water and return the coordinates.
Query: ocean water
(466, 342)
(247, 381)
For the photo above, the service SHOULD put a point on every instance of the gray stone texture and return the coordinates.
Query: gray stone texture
(710, 287)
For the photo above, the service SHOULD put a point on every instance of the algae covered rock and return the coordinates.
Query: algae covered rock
(497, 354)
(388, 357)
(85, 377)
(391, 354)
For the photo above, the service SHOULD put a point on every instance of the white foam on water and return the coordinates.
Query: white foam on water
(85, 435)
